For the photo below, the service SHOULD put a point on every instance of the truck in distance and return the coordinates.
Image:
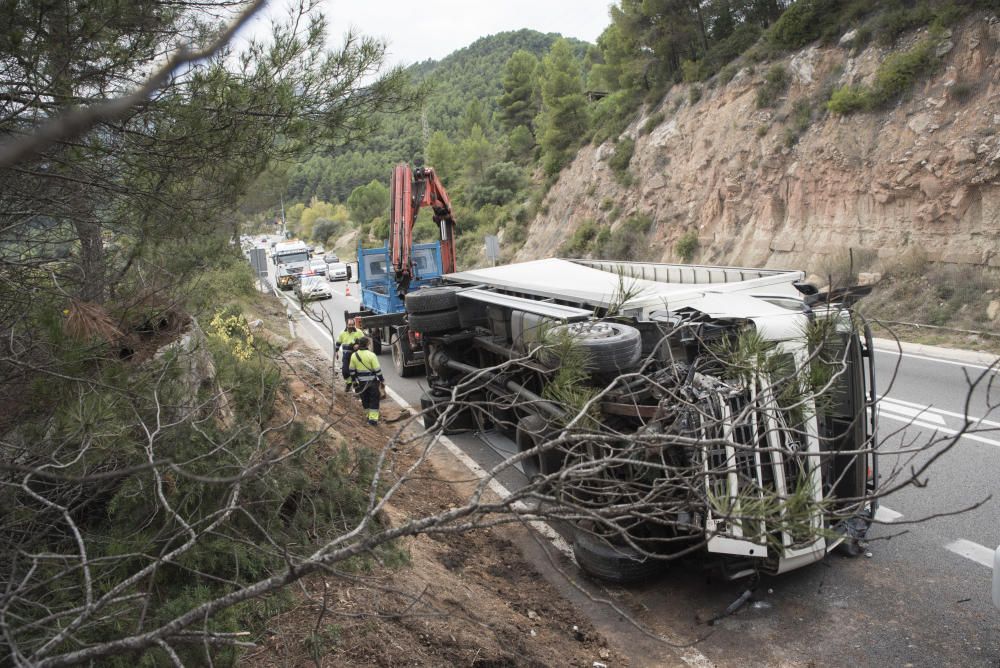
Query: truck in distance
(291, 259)
(664, 410)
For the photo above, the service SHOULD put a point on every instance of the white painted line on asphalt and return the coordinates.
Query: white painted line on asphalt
(923, 413)
(973, 551)
(970, 365)
(886, 515)
(940, 411)
(938, 428)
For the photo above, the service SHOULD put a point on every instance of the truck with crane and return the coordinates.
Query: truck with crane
(388, 273)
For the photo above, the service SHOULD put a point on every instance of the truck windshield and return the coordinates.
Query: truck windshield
(298, 256)
(376, 267)
(423, 260)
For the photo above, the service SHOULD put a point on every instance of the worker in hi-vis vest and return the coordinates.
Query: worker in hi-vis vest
(368, 381)
(348, 339)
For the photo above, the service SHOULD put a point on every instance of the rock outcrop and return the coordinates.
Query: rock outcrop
(758, 190)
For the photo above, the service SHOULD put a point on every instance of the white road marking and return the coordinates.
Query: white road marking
(886, 515)
(940, 411)
(970, 365)
(939, 429)
(973, 551)
(689, 655)
(923, 413)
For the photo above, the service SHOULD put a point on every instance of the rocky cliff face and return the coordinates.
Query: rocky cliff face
(924, 175)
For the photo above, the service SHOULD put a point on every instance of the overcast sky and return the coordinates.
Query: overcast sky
(422, 29)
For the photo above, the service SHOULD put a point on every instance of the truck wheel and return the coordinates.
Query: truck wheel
(531, 432)
(425, 300)
(434, 321)
(619, 564)
(401, 355)
(611, 347)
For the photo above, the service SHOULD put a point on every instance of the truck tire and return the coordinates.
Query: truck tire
(401, 355)
(619, 564)
(434, 321)
(531, 432)
(426, 300)
(611, 347)
(432, 406)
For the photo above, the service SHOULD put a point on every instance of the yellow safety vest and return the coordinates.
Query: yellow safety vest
(365, 367)
(349, 338)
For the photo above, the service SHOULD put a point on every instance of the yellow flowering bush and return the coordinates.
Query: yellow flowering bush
(233, 330)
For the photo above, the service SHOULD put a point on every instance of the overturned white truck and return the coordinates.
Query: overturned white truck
(665, 410)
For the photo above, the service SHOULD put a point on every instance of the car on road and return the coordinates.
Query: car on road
(318, 266)
(312, 286)
(331, 258)
(338, 271)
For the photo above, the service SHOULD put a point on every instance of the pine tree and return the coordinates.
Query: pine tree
(563, 120)
(518, 106)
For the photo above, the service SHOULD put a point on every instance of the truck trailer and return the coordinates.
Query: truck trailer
(664, 410)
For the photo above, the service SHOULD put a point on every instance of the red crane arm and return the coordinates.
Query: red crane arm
(409, 191)
(429, 191)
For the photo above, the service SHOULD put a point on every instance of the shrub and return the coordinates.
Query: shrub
(581, 241)
(775, 83)
(961, 92)
(628, 240)
(620, 159)
(691, 71)
(612, 114)
(606, 204)
(687, 245)
(652, 123)
(847, 100)
(762, 130)
(899, 71)
(727, 73)
(892, 23)
(799, 123)
(800, 24)
(694, 94)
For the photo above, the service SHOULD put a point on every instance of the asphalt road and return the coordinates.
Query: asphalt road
(922, 597)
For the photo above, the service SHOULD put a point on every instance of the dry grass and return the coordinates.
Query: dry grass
(87, 321)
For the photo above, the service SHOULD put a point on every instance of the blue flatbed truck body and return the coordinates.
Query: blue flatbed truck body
(379, 292)
(383, 312)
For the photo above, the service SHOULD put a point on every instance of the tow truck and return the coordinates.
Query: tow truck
(387, 274)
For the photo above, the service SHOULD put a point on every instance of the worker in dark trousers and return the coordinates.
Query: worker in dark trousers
(346, 344)
(368, 381)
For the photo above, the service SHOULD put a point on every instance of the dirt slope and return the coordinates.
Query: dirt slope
(461, 600)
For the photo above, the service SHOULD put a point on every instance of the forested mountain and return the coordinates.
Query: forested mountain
(462, 92)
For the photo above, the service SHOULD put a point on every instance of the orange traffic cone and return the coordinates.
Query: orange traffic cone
(347, 290)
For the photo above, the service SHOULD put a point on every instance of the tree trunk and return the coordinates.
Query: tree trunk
(92, 284)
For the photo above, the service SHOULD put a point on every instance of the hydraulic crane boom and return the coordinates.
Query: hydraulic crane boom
(409, 191)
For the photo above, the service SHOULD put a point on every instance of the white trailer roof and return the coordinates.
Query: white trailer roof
(571, 281)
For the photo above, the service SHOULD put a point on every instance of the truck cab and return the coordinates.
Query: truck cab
(291, 259)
